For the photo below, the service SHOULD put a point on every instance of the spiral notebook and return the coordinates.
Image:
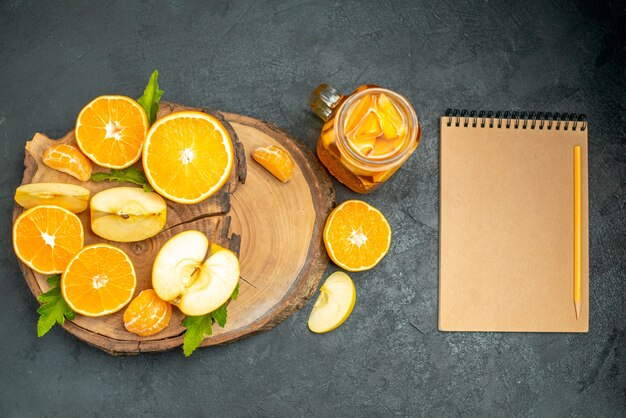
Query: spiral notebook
(507, 222)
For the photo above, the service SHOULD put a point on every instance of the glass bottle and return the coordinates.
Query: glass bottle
(367, 134)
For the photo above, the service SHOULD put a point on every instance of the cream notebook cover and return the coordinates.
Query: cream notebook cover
(507, 223)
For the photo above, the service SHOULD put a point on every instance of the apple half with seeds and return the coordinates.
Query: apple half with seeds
(127, 214)
(68, 196)
(193, 274)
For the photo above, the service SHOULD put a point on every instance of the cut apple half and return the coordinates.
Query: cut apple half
(334, 304)
(69, 196)
(193, 274)
(127, 214)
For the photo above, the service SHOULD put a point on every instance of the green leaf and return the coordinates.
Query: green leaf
(198, 327)
(54, 280)
(201, 326)
(235, 293)
(126, 175)
(151, 96)
(220, 315)
(53, 309)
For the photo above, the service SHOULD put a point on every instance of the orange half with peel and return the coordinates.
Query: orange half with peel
(111, 131)
(188, 156)
(99, 280)
(46, 237)
(356, 235)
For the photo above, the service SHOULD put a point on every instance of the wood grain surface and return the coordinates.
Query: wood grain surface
(276, 228)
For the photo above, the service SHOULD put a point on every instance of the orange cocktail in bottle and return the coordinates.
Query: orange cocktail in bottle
(367, 136)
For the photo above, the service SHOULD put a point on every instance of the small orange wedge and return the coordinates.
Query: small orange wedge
(46, 238)
(111, 131)
(99, 280)
(147, 314)
(68, 159)
(357, 236)
(188, 156)
(275, 160)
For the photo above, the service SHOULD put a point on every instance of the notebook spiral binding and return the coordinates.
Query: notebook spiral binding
(517, 120)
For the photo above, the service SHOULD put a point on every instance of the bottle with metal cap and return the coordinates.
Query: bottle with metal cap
(367, 135)
(323, 100)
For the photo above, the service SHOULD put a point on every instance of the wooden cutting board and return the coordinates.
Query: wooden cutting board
(276, 228)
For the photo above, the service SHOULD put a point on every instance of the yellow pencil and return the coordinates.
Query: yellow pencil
(578, 230)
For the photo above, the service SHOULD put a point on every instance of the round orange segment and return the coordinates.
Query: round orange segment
(99, 280)
(187, 156)
(111, 131)
(68, 159)
(275, 160)
(147, 314)
(46, 238)
(357, 236)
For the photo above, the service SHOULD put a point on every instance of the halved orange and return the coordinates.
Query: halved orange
(275, 160)
(147, 314)
(46, 238)
(68, 159)
(99, 280)
(111, 131)
(357, 235)
(187, 156)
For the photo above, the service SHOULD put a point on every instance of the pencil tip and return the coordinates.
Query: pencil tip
(578, 310)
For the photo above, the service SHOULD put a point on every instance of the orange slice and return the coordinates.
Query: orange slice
(369, 128)
(357, 236)
(68, 159)
(358, 111)
(275, 160)
(111, 130)
(187, 156)
(99, 280)
(46, 238)
(390, 118)
(147, 314)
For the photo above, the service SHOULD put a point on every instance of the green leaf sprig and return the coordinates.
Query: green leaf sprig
(199, 327)
(126, 175)
(151, 96)
(53, 309)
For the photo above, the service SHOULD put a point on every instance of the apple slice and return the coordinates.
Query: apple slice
(182, 276)
(334, 304)
(127, 214)
(69, 196)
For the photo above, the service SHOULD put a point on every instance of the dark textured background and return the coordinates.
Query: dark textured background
(262, 59)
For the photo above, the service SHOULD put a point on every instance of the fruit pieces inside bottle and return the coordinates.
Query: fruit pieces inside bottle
(375, 129)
